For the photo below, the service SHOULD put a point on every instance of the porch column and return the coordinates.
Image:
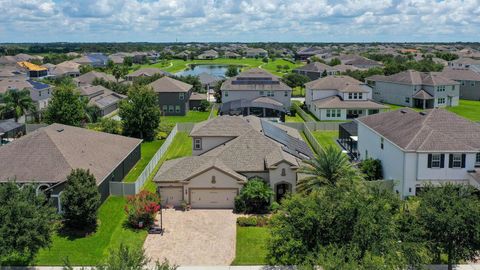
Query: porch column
(248, 110)
(366, 111)
(424, 104)
(264, 112)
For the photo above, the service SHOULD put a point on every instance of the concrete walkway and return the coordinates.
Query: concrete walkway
(253, 267)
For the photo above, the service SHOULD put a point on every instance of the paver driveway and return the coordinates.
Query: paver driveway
(196, 237)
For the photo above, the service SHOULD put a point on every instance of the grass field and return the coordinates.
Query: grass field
(92, 249)
(148, 151)
(326, 137)
(176, 65)
(192, 116)
(180, 147)
(295, 118)
(469, 109)
(251, 246)
(298, 91)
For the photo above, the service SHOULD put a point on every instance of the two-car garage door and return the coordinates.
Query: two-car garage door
(212, 198)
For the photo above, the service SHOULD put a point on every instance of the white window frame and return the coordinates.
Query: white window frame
(177, 108)
(477, 159)
(456, 161)
(436, 158)
(181, 96)
(360, 95)
(225, 93)
(441, 101)
(339, 113)
(407, 99)
(350, 95)
(165, 108)
(197, 144)
(171, 108)
(328, 113)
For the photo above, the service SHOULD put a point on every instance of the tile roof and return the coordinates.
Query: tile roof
(169, 85)
(335, 102)
(435, 130)
(413, 77)
(50, 153)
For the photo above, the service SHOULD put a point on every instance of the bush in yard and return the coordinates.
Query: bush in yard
(371, 168)
(255, 196)
(80, 200)
(141, 209)
(25, 223)
(204, 105)
(247, 221)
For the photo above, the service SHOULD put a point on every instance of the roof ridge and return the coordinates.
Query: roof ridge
(420, 130)
(56, 146)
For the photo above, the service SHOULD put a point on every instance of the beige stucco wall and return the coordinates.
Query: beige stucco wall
(276, 176)
(209, 143)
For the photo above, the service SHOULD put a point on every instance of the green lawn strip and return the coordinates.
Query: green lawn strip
(326, 137)
(295, 118)
(469, 109)
(92, 249)
(251, 246)
(181, 146)
(191, 117)
(148, 151)
(298, 91)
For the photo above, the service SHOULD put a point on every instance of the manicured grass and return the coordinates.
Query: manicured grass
(192, 117)
(148, 151)
(180, 147)
(469, 109)
(94, 248)
(295, 118)
(326, 137)
(177, 65)
(251, 246)
(298, 91)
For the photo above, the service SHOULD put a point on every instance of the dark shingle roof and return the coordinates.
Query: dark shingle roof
(169, 85)
(412, 77)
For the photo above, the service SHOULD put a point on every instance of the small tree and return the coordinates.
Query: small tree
(85, 69)
(142, 208)
(334, 62)
(450, 216)
(232, 71)
(217, 89)
(80, 200)
(128, 61)
(17, 102)
(371, 168)
(66, 106)
(140, 113)
(204, 105)
(119, 72)
(255, 197)
(295, 79)
(25, 223)
(265, 59)
(324, 73)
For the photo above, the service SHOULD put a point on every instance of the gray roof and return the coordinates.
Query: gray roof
(255, 79)
(147, 72)
(339, 83)
(16, 83)
(169, 85)
(224, 126)
(422, 94)
(198, 96)
(316, 67)
(8, 125)
(435, 130)
(412, 77)
(335, 102)
(89, 77)
(460, 74)
(50, 153)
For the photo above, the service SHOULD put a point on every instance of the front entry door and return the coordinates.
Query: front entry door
(281, 191)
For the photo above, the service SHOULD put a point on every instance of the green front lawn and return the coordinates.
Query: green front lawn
(92, 249)
(469, 109)
(191, 117)
(326, 137)
(298, 92)
(295, 118)
(251, 246)
(180, 147)
(148, 151)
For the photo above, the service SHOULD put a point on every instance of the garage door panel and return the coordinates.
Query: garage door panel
(213, 198)
(171, 195)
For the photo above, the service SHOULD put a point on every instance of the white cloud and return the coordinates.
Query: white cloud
(239, 20)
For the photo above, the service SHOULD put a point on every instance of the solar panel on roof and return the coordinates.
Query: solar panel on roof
(295, 146)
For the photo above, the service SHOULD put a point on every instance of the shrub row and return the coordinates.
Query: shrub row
(252, 221)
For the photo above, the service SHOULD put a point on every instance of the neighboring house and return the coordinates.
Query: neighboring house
(48, 155)
(21, 57)
(255, 92)
(196, 99)
(227, 152)
(256, 52)
(93, 59)
(183, 55)
(89, 77)
(468, 63)
(210, 54)
(32, 70)
(64, 69)
(173, 95)
(306, 53)
(208, 81)
(39, 92)
(315, 70)
(145, 72)
(469, 81)
(358, 61)
(415, 89)
(416, 148)
(104, 99)
(340, 98)
(232, 55)
(10, 130)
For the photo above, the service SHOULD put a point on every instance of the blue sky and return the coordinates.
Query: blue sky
(239, 21)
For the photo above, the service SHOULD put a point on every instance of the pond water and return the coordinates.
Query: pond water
(195, 70)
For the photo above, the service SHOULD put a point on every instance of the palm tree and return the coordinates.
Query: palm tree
(325, 169)
(18, 103)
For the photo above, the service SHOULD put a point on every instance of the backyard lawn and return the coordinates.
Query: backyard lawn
(90, 250)
(180, 147)
(295, 118)
(251, 246)
(192, 116)
(148, 151)
(469, 109)
(326, 137)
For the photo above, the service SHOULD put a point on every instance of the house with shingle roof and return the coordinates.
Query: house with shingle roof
(227, 152)
(255, 52)
(104, 99)
(89, 77)
(48, 155)
(255, 92)
(465, 62)
(146, 72)
(340, 98)
(469, 81)
(173, 95)
(412, 88)
(210, 54)
(315, 70)
(39, 92)
(416, 148)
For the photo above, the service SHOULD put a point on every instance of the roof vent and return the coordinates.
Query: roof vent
(423, 113)
(403, 111)
(60, 130)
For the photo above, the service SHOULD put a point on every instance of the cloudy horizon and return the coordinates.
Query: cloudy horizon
(239, 21)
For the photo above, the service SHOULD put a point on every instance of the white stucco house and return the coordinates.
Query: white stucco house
(340, 98)
(227, 152)
(415, 148)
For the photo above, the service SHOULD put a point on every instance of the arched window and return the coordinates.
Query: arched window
(284, 172)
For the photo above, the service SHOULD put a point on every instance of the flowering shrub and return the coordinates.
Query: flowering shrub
(141, 209)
